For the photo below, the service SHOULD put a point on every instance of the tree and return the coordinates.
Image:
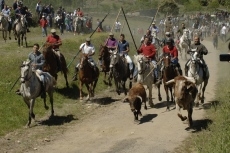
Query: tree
(170, 7)
(213, 5)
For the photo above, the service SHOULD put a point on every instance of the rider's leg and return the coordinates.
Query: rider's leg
(76, 72)
(129, 61)
(43, 87)
(204, 67)
(57, 52)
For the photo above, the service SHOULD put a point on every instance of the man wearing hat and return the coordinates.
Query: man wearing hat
(168, 25)
(167, 36)
(154, 30)
(88, 49)
(43, 24)
(55, 41)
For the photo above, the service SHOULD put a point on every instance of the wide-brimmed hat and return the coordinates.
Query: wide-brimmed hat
(52, 30)
(153, 23)
(87, 39)
(110, 34)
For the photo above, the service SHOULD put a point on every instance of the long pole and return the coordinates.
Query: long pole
(83, 46)
(129, 27)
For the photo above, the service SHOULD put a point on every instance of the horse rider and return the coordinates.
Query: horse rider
(21, 10)
(123, 49)
(171, 50)
(88, 49)
(111, 44)
(196, 25)
(55, 41)
(202, 50)
(168, 25)
(148, 34)
(154, 31)
(80, 14)
(149, 51)
(37, 63)
(167, 36)
(181, 30)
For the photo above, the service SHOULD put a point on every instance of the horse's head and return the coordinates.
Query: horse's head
(84, 61)
(23, 20)
(167, 60)
(104, 51)
(47, 50)
(141, 62)
(26, 70)
(114, 58)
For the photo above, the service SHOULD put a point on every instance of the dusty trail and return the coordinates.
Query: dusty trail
(111, 129)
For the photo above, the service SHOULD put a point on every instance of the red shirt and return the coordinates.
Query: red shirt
(43, 23)
(80, 13)
(53, 39)
(173, 51)
(148, 50)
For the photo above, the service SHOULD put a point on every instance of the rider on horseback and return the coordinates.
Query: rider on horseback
(55, 41)
(123, 49)
(88, 49)
(167, 36)
(173, 52)
(202, 50)
(111, 44)
(148, 34)
(149, 51)
(38, 61)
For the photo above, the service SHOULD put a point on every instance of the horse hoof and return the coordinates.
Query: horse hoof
(196, 104)
(160, 98)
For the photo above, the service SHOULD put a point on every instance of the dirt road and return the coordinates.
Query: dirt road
(111, 129)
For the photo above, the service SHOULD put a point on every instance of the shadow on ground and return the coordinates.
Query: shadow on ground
(58, 120)
(163, 104)
(199, 125)
(147, 118)
(104, 100)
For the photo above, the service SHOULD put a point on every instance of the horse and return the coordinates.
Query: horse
(145, 75)
(105, 58)
(120, 71)
(196, 71)
(184, 43)
(169, 73)
(20, 30)
(4, 26)
(31, 88)
(88, 76)
(78, 25)
(51, 63)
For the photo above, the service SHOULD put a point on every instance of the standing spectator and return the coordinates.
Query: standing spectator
(117, 26)
(223, 33)
(43, 24)
(2, 3)
(15, 4)
(60, 23)
(79, 13)
(215, 39)
(38, 9)
(99, 24)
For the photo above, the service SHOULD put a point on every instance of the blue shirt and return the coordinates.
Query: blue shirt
(122, 46)
(37, 59)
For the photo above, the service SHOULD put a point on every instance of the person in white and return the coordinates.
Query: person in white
(223, 33)
(117, 26)
(88, 49)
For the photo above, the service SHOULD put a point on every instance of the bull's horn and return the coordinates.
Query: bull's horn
(139, 98)
(190, 79)
(170, 82)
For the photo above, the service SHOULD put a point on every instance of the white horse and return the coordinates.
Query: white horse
(20, 30)
(184, 43)
(4, 26)
(145, 75)
(31, 87)
(196, 71)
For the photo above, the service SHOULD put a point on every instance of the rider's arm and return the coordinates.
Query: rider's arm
(127, 48)
(152, 55)
(40, 65)
(204, 50)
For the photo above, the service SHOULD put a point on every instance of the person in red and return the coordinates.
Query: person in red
(79, 13)
(149, 51)
(171, 50)
(55, 41)
(43, 24)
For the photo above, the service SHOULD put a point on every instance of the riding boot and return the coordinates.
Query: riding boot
(75, 74)
(43, 92)
(186, 70)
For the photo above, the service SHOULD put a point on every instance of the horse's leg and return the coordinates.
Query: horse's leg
(80, 86)
(65, 76)
(31, 114)
(123, 86)
(94, 86)
(19, 41)
(117, 86)
(26, 41)
(89, 87)
(159, 92)
(203, 90)
(9, 34)
(172, 99)
(167, 96)
(190, 110)
(198, 95)
(50, 93)
(150, 95)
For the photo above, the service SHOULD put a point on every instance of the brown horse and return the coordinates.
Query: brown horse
(104, 56)
(51, 63)
(169, 72)
(87, 76)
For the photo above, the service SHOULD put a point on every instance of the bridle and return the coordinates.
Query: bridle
(26, 77)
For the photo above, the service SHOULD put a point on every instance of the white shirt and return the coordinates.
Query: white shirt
(117, 25)
(87, 49)
(223, 30)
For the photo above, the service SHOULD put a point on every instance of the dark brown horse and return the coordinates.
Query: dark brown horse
(51, 63)
(169, 72)
(104, 56)
(88, 76)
